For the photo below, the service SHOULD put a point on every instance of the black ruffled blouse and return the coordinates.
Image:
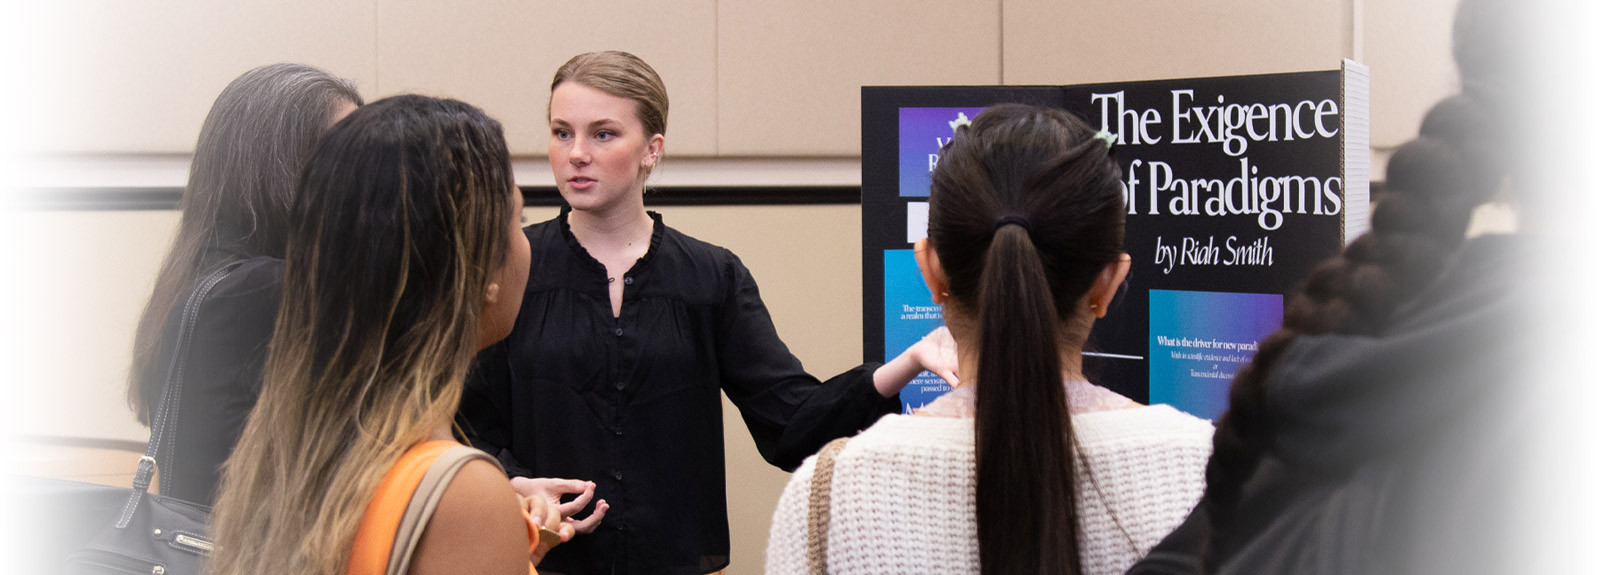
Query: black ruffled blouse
(632, 403)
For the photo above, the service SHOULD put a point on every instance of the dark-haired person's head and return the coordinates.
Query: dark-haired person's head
(255, 140)
(404, 259)
(253, 143)
(415, 196)
(1024, 250)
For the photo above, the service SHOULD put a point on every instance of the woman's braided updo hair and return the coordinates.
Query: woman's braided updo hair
(1418, 224)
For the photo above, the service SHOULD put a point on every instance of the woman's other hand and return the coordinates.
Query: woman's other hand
(935, 352)
(542, 514)
(551, 490)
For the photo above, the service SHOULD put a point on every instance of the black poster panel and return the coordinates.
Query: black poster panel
(1234, 186)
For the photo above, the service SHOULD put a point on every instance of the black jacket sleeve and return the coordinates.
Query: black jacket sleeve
(790, 413)
(221, 376)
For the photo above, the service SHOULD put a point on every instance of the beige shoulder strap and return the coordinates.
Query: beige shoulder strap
(424, 500)
(818, 515)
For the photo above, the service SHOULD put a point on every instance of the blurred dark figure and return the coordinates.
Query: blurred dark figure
(1379, 430)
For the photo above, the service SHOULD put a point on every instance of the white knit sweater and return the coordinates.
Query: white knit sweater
(903, 494)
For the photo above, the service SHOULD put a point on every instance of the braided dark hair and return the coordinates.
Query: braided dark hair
(1418, 224)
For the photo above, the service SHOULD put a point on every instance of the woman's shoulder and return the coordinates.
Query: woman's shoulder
(692, 262)
(238, 313)
(480, 493)
(1142, 427)
(243, 303)
(257, 278)
(908, 441)
(478, 520)
(1152, 429)
(674, 240)
(899, 429)
(548, 233)
(897, 437)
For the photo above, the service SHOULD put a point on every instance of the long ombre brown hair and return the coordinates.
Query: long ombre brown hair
(399, 224)
(1043, 170)
(253, 143)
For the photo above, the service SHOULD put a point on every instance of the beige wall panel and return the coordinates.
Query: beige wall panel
(1054, 42)
(501, 54)
(790, 73)
(104, 466)
(1408, 47)
(90, 274)
(140, 76)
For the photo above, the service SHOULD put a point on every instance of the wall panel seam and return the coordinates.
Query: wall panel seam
(377, 52)
(1358, 31)
(1001, 7)
(716, 77)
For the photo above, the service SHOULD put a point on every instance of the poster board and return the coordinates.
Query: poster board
(1235, 187)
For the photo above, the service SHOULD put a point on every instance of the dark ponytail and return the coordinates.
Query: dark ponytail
(1024, 464)
(1025, 212)
(1418, 224)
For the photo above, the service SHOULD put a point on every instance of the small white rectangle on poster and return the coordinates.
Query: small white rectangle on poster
(916, 221)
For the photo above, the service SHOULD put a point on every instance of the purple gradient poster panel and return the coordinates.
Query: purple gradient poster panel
(909, 314)
(1198, 340)
(922, 132)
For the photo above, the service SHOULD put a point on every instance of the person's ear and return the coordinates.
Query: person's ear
(658, 144)
(491, 296)
(932, 271)
(1105, 286)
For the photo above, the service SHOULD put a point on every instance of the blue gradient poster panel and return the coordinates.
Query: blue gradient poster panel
(922, 132)
(1198, 340)
(909, 314)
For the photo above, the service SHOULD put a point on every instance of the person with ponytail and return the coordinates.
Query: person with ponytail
(404, 258)
(1374, 432)
(1025, 467)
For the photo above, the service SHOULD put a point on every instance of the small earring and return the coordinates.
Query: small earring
(1094, 306)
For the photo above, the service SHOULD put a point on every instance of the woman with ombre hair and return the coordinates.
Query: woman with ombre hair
(404, 258)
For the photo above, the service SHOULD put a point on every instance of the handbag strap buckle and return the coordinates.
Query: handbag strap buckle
(141, 476)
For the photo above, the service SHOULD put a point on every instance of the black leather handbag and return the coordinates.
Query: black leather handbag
(146, 534)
